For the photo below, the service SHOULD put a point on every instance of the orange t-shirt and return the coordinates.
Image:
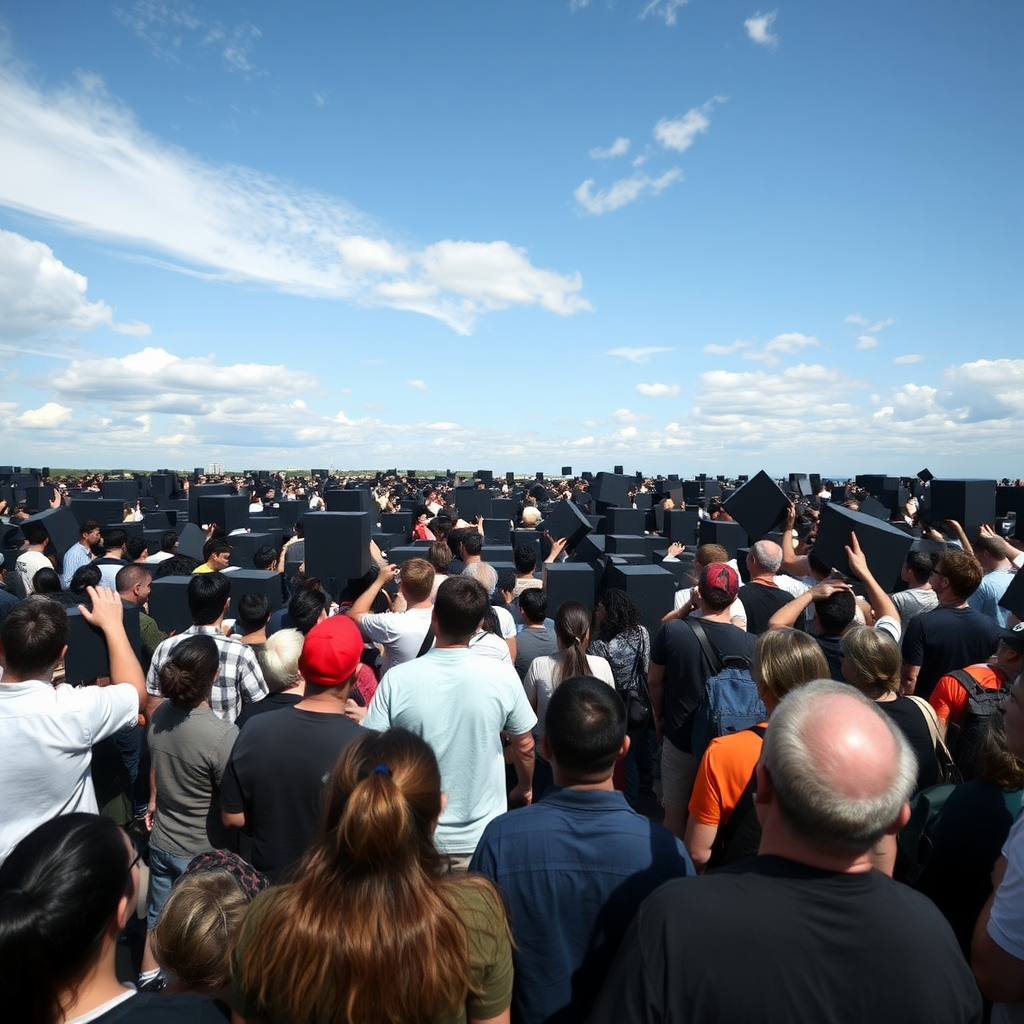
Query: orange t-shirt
(949, 698)
(724, 772)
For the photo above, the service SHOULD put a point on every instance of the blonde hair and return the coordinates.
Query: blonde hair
(875, 658)
(280, 662)
(195, 933)
(785, 659)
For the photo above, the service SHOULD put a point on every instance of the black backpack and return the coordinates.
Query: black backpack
(966, 739)
(740, 836)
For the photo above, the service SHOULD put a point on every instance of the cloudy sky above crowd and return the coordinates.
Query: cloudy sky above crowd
(677, 236)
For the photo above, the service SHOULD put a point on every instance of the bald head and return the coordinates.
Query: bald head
(767, 555)
(840, 770)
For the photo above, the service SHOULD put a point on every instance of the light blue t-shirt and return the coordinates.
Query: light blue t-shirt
(460, 703)
(986, 598)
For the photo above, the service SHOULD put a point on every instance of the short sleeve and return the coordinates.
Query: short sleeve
(705, 801)
(944, 699)
(490, 955)
(521, 718)
(913, 643)
(378, 714)
(222, 754)
(658, 647)
(109, 709)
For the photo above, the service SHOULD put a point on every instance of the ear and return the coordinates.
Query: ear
(764, 791)
(545, 749)
(124, 911)
(901, 820)
(624, 749)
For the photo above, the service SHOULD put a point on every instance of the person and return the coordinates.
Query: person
(279, 662)
(31, 559)
(918, 596)
(66, 893)
(678, 673)
(216, 556)
(574, 867)
(762, 594)
(685, 601)
(274, 783)
(461, 702)
(47, 732)
(189, 749)
(536, 638)
(132, 584)
(371, 928)
(168, 546)
(81, 553)
(783, 660)
(794, 934)
(999, 572)
(113, 559)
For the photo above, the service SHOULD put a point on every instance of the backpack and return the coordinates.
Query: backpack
(730, 703)
(914, 840)
(965, 740)
(740, 836)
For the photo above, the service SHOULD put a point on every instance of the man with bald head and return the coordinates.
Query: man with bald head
(811, 930)
(762, 596)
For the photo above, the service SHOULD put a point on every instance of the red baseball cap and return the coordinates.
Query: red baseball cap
(331, 652)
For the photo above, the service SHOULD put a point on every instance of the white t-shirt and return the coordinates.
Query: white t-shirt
(47, 734)
(25, 569)
(539, 682)
(400, 633)
(1006, 923)
(736, 609)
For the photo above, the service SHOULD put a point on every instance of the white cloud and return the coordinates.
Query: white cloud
(662, 9)
(628, 416)
(791, 342)
(678, 134)
(623, 191)
(908, 359)
(47, 417)
(866, 341)
(419, 385)
(319, 98)
(657, 390)
(637, 355)
(235, 224)
(855, 318)
(881, 325)
(578, 5)
(620, 147)
(137, 329)
(582, 442)
(759, 28)
(726, 350)
(987, 389)
(38, 293)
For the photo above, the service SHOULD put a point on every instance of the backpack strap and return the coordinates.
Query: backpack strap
(968, 682)
(713, 657)
(428, 642)
(948, 772)
(743, 807)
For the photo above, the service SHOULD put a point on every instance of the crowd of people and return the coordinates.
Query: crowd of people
(431, 795)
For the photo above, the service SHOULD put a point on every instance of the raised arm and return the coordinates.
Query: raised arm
(881, 603)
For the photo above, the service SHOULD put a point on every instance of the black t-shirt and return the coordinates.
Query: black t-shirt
(278, 768)
(160, 1008)
(687, 670)
(831, 645)
(945, 639)
(772, 940)
(760, 603)
(272, 702)
(910, 720)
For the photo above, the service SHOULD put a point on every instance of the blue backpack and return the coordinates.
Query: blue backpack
(730, 703)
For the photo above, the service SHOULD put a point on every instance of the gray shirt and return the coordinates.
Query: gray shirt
(912, 602)
(533, 643)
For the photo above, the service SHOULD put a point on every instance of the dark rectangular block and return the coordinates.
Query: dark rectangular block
(472, 502)
(681, 525)
(400, 553)
(883, 545)
(681, 568)
(651, 587)
(397, 522)
(245, 545)
(567, 471)
(290, 512)
(87, 656)
(497, 531)
(61, 526)
(731, 536)
(355, 499)
(529, 538)
(123, 490)
(612, 488)
(337, 547)
(385, 541)
(160, 519)
(191, 539)
(568, 581)
(1013, 597)
(643, 501)
(197, 491)
(38, 498)
(162, 485)
(168, 603)
(759, 506)
(625, 544)
(228, 511)
(969, 502)
(106, 511)
(152, 540)
(496, 552)
(617, 470)
(485, 476)
(566, 520)
(503, 508)
(253, 581)
(625, 520)
(590, 548)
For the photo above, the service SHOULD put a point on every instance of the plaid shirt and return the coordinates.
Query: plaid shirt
(240, 677)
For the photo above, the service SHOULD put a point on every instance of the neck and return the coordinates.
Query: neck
(778, 841)
(326, 700)
(709, 616)
(98, 986)
(764, 577)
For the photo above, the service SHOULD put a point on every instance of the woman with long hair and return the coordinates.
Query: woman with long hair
(66, 892)
(372, 930)
(572, 634)
(722, 826)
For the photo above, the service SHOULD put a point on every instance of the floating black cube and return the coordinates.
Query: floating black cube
(528, 538)
(228, 511)
(337, 547)
(627, 544)
(612, 488)
(397, 522)
(625, 520)
(969, 502)
(495, 553)
(503, 508)
(160, 520)
(485, 476)
(651, 587)
(399, 553)
(497, 531)
(191, 539)
(566, 520)
(87, 657)
(106, 511)
(590, 549)
(356, 499)
(730, 536)
(884, 546)
(874, 508)
(680, 525)
(253, 581)
(472, 502)
(245, 545)
(568, 581)
(126, 491)
(759, 506)
(197, 491)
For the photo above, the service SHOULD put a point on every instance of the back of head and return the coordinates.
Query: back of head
(280, 660)
(572, 626)
(708, 553)
(872, 659)
(840, 770)
(440, 556)
(176, 565)
(252, 612)
(620, 613)
(485, 574)
(46, 581)
(33, 635)
(265, 557)
(417, 579)
(208, 594)
(963, 571)
(768, 555)
(59, 892)
(187, 676)
(920, 565)
(531, 516)
(115, 539)
(585, 725)
(785, 659)
(472, 544)
(135, 547)
(128, 578)
(168, 541)
(533, 604)
(305, 608)
(85, 576)
(525, 557)
(718, 585)
(34, 533)
(459, 606)
(991, 546)
(836, 611)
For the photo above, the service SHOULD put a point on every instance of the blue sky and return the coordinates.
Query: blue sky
(687, 237)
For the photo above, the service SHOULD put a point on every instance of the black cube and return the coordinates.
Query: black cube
(337, 547)
(731, 536)
(228, 511)
(253, 581)
(87, 657)
(651, 587)
(969, 502)
(354, 499)
(565, 520)
(168, 603)
(759, 506)
(625, 520)
(884, 546)
(568, 581)
(61, 526)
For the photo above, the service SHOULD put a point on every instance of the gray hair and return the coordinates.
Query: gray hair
(280, 662)
(484, 574)
(806, 790)
(768, 555)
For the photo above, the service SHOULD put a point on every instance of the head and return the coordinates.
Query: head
(306, 608)
(525, 557)
(186, 678)
(208, 594)
(718, 586)
(252, 613)
(585, 729)
(280, 661)
(708, 553)
(33, 638)
(617, 613)
(957, 575)
(264, 557)
(217, 552)
(572, 624)
(765, 557)
(417, 580)
(115, 540)
(871, 661)
(990, 552)
(917, 568)
(533, 605)
(472, 545)
(66, 891)
(331, 653)
(531, 516)
(85, 576)
(837, 771)
(485, 574)
(176, 565)
(136, 549)
(89, 533)
(169, 541)
(133, 583)
(459, 606)
(46, 581)
(836, 612)
(439, 555)
(783, 660)
(34, 533)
